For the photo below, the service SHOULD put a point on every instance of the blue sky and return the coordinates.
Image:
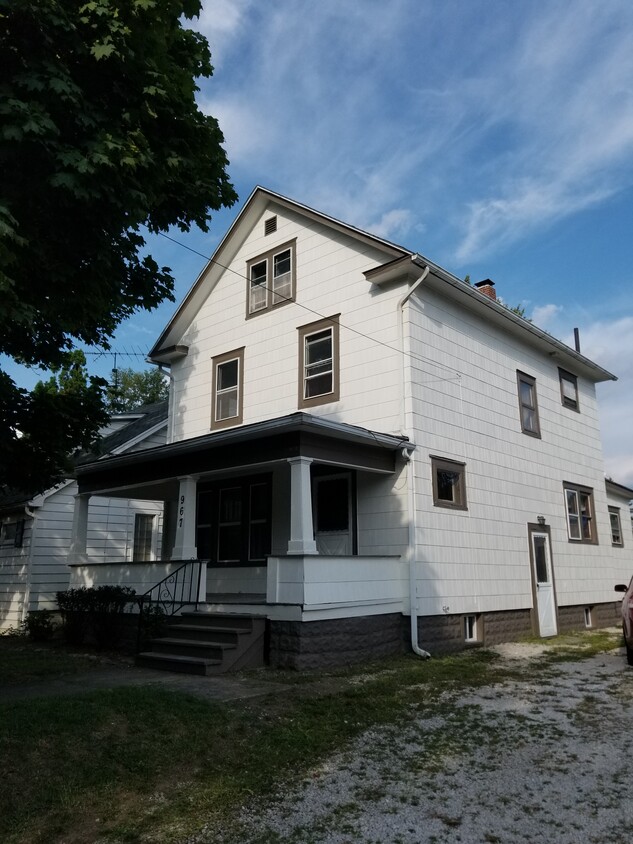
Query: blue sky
(496, 138)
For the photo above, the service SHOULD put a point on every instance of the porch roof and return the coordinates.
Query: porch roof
(153, 473)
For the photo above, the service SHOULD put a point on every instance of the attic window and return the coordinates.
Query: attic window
(270, 225)
(271, 279)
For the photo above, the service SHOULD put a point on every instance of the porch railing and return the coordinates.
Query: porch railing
(180, 588)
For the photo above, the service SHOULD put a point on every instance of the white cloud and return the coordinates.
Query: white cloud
(363, 113)
(545, 314)
(610, 343)
(566, 97)
(393, 223)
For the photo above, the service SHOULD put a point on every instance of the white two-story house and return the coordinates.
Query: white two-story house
(367, 451)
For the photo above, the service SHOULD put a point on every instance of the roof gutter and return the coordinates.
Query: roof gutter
(457, 284)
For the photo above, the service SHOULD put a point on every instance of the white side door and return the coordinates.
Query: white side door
(544, 584)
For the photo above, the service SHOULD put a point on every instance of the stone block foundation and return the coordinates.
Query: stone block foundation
(345, 641)
(334, 642)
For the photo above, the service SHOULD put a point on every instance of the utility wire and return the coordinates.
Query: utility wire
(417, 358)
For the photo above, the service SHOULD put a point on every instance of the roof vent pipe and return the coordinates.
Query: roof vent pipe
(577, 340)
(487, 288)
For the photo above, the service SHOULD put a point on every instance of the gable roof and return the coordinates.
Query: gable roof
(399, 264)
(145, 421)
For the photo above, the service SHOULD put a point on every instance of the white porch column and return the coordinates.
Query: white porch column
(79, 535)
(185, 544)
(301, 528)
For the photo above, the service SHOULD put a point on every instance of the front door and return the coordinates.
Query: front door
(543, 582)
(333, 514)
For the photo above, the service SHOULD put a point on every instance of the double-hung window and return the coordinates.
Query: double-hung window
(142, 551)
(12, 533)
(271, 279)
(227, 389)
(319, 362)
(568, 389)
(581, 525)
(616, 526)
(528, 407)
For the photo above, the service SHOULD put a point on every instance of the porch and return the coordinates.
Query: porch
(295, 519)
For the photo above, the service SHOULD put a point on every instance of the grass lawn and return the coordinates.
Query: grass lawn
(147, 765)
(22, 661)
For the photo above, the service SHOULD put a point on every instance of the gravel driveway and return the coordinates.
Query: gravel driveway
(542, 757)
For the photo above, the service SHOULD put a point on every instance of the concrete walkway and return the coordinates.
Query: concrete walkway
(215, 688)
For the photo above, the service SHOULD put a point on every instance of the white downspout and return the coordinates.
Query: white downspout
(407, 430)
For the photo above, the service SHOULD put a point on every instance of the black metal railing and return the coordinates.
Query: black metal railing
(180, 588)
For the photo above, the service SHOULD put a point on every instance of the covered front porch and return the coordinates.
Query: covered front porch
(295, 519)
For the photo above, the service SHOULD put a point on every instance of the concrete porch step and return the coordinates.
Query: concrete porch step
(207, 633)
(174, 662)
(192, 647)
(207, 643)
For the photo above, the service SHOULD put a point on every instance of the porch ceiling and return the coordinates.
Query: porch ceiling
(153, 473)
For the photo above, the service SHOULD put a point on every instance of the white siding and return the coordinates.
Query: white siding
(477, 560)
(14, 576)
(329, 281)
(35, 572)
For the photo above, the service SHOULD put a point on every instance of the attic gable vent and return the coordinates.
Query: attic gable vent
(270, 225)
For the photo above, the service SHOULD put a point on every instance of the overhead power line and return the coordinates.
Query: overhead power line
(418, 358)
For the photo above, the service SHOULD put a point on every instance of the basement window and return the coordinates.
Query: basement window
(588, 622)
(471, 628)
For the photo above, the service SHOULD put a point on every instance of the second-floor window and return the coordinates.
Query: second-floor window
(271, 279)
(568, 389)
(227, 389)
(318, 363)
(580, 514)
(527, 404)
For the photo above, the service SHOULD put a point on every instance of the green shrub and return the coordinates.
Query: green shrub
(108, 605)
(39, 626)
(94, 610)
(74, 607)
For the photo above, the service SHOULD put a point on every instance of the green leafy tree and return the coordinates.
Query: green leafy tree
(100, 139)
(46, 421)
(129, 389)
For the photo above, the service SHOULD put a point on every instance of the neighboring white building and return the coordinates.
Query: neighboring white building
(350, 427)
(36, 530)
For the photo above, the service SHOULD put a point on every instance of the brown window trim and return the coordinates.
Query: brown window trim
(236, 354)
(306, 331)
(586, 490)
(563, 374)
(615, 511)
(528, 379)
(446, 464)
(268, 258)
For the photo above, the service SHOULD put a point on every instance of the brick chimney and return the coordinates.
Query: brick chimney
(487, 288)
